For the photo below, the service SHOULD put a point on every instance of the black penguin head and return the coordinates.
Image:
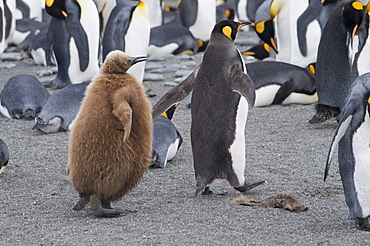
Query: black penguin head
(118, 62)
(229, 28)
(56, 8)
(352, 16)
(169, 112)
(266, 32)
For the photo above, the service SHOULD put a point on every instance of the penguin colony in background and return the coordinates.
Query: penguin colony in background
(331, 33)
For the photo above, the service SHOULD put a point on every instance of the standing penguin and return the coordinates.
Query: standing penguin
(166, 139)
(222, 95)
(23, 97)
(4, 156)
(199, 16)
(335, 68)
(74, 35)
(353, 139)
(128, 30)
(110, 144)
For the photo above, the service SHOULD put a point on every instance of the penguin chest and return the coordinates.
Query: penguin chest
(361, 155)
(237, 148)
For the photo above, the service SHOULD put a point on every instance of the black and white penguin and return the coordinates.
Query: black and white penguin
(282, 83)
(74, 35)
(60, 109)
(172, 38)
(199, 16)
(155, 8)
(246, 10)
(166, 139)
(32, 9)
(222, 95)
(7, 23)
(335, 68)
(128, 30)
(4, 156)
(259, 51)
(353, 140)
(23, 97)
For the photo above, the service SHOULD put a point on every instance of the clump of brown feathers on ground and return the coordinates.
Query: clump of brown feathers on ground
(286, 200)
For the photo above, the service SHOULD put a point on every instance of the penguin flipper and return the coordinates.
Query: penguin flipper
(341, 130)
(311, 13)
(284, 91)
(175, 95)
(123, 112)
(76, 30)
(242, 83)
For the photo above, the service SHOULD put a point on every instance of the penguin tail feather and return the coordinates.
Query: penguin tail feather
(324, 114)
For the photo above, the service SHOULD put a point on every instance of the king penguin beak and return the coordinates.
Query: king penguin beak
(244, 24)
(138, 59)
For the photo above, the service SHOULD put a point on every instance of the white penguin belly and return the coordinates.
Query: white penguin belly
(137, 40)
(166, 49)
(90, 22)
(361, 153)
(265, 95)
(205, 21)
(4, 111)
(172, 150)
(237, 148)
(39, 56)
(300, 98)
(52, 126)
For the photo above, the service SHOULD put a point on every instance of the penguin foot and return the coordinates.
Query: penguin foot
(363, 224)
(324, 114)
(84, 200)
(247, 187)
(208, 192)
(98, 209)
(56, 84)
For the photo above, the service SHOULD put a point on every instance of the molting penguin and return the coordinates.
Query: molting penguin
(110, 143)
(353, 137)
(60, 109)
(199, 16)
(128, 30)
(166, 139)
(222, 95)
(74, 35)
(282, 83)
(4, 156)
(23, 97)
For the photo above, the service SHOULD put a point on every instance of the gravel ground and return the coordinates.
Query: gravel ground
(36, 198)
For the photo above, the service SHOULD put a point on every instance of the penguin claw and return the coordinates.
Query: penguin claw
(207, 191)
(324, 114)
(363, 224)
(247, 186)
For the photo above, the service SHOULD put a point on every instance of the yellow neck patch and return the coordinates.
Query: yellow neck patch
(368, 100)
(312, 69)
(260, 26)
(266, 47)
(227, 31)
(49, 2)
(357, 5)
(165, 115)
(200, 43)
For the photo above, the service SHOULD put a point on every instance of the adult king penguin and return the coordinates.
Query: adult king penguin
(128, 30)
(199, 16)
(353, 139)
(74, 33)
(222, 95)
